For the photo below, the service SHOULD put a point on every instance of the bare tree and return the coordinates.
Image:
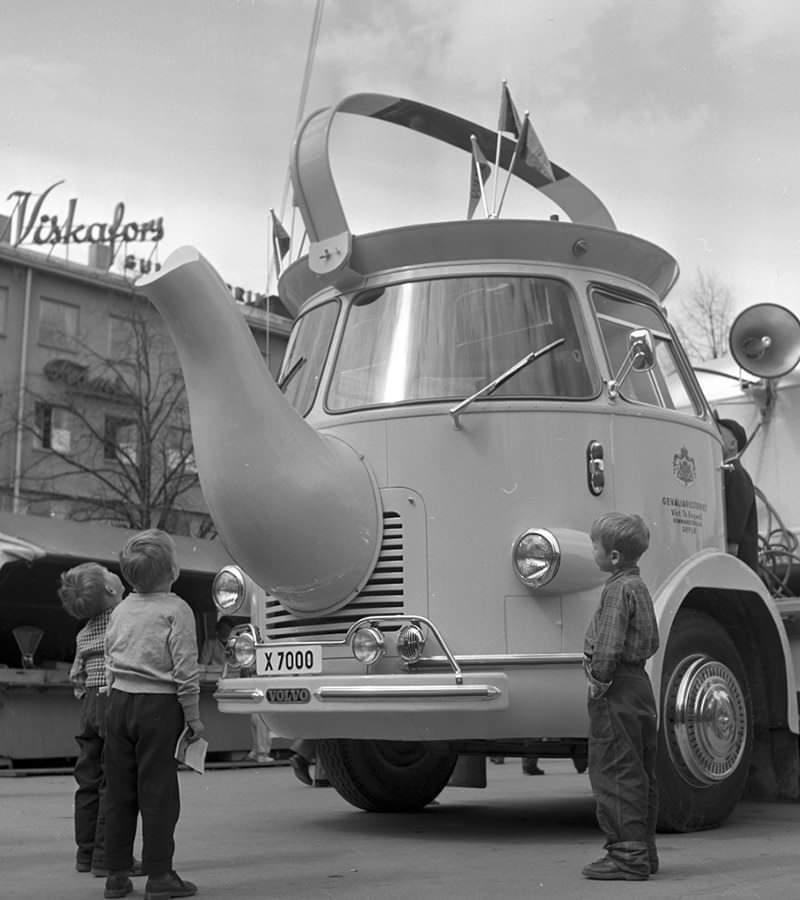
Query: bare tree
(117, 432)
(703, 319)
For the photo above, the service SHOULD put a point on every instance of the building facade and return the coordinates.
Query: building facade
(94, 423)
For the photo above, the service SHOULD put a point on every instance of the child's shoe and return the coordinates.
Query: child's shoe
(606, 869)
(99, 870)
(117, 885)
(83, 863)
(168, 885)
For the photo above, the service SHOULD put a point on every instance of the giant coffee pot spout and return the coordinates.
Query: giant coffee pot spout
(296, 509)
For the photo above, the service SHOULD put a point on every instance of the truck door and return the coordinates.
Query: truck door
(665, 456)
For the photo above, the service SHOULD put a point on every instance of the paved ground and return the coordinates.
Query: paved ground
(258, 833)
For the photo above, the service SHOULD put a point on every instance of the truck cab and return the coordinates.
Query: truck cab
(459, 401)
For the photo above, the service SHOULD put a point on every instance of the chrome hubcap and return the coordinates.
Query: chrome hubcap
(706, 720)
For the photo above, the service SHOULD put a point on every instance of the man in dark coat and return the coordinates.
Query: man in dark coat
(741, 522)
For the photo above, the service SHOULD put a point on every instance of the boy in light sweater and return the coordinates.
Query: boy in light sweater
(154, 683)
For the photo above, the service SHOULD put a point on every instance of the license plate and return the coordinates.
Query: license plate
(302, 659)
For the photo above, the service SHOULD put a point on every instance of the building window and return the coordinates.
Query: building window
(179, 452)
(121, 338)
(121, 440)
(58, 324)
(53, 428)
(3, 309)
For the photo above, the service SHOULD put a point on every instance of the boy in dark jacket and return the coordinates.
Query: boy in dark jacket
(89, 591)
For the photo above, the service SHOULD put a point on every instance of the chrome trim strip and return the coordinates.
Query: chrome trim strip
(499, 660)
(244, 695)
(409, 692)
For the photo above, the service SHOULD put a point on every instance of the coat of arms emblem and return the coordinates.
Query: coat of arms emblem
(683, 467)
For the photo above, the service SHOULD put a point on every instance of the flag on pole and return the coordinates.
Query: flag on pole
(508, 120)
(280, 241)
(530, 149)
(479, 171)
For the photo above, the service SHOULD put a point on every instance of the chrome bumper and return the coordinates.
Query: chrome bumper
(358, 692)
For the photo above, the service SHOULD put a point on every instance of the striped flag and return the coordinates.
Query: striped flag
(479, 171)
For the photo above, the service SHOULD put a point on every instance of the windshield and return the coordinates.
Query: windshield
(445, 339)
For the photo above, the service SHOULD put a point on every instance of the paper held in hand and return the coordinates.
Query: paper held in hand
(191, 753)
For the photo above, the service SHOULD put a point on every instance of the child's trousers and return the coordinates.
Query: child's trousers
(622, 767)
(90, 794)
(142, 777)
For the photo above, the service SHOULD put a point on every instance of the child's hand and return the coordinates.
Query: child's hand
(196, 728)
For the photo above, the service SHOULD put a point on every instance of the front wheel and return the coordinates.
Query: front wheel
(705, 739)
(387, 776)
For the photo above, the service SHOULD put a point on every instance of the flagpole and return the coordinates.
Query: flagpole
(523, 133)
(503, 85)
(301, 103)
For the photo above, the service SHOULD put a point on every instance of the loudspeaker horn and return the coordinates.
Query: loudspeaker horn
(765, 340)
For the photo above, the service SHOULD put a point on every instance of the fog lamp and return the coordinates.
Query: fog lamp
(228, 589)
(410, 642)
(244, 650)
(368, 645)
(535, 557)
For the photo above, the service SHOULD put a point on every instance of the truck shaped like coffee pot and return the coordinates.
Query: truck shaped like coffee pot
(409, 505)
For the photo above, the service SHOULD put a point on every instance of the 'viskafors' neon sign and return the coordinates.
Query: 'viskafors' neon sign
(47, 229)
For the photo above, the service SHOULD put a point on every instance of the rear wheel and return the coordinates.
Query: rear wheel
(387, 776)
(706, 733)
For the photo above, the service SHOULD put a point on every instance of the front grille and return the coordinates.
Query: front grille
(383, 594)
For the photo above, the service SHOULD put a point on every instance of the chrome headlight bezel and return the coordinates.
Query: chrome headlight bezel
(243, 650)
(410, 642)
(536, 557)
(227, 599)
(368, 644)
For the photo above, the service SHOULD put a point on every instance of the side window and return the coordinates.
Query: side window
(665, 385)
(306, 354)
(58, 324)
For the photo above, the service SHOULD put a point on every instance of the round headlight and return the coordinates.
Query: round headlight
(368, 645)
(410, 642)
(536, 557)
(228, 590)
(244, 650)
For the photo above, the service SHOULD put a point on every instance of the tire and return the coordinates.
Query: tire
(703, 760)
(387, 776)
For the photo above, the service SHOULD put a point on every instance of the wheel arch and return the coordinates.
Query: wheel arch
(722, 587)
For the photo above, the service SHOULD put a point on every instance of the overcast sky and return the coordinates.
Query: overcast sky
(682, 115)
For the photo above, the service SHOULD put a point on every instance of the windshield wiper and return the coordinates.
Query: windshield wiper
(501, 379)
(295, 368)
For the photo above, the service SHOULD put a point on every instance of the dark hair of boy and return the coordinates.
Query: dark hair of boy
(148, 561)
(627, 534)
(83, 592)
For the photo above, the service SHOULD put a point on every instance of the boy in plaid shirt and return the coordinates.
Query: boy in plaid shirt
(90, 591)
(621, 637)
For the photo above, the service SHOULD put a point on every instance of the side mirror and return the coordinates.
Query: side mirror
(640, 358)
(641, 352)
